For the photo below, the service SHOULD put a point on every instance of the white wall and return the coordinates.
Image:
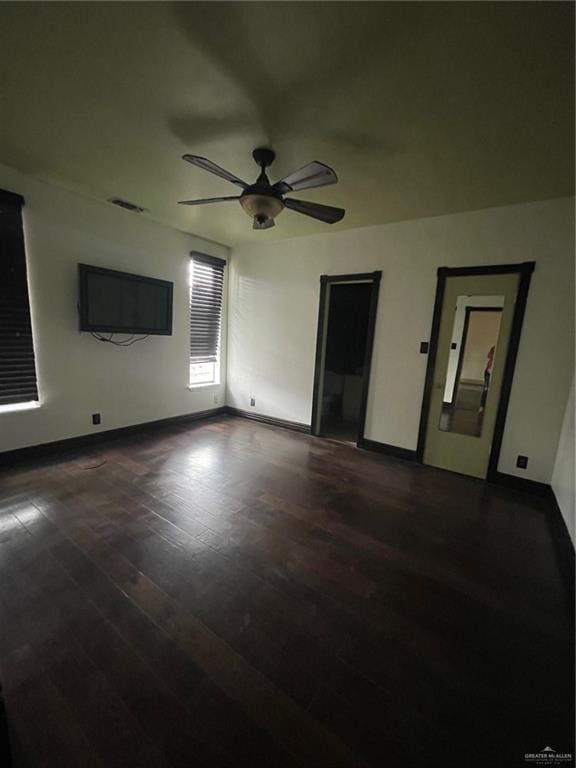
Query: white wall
(564, 467)
(78, 375)
(273, 305)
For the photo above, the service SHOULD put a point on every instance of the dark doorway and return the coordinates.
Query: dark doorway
(344, 361)
(346, 329)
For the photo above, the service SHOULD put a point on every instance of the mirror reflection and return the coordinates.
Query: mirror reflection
(470, 363)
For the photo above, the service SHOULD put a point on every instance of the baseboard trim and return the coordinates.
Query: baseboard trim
(271, 420)
(388, 450)
(561, 541)
(59, 448)
(564, 549)
(522, 484)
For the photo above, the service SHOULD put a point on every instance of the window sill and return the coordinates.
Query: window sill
(15, 407)
(203, 386)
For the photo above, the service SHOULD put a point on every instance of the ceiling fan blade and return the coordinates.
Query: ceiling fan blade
(326, 213)
(267, 224)
(312, 175)
(207, 200)
(208, 165)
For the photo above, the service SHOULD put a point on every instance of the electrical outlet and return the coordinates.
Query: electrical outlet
(95, 418)
(252, 401)
(216, 399)
(522, 462)
(424, 347)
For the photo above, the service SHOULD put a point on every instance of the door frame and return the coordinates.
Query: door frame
(524, 269)
(325, 282)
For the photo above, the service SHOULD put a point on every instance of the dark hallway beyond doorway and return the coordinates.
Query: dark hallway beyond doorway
(346, 337)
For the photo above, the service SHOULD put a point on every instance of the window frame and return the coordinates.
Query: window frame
(215, 379)
(20, 372)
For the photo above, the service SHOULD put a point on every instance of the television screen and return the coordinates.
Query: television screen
(118, 302)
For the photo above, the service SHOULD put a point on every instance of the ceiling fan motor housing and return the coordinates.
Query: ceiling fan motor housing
(258, 200)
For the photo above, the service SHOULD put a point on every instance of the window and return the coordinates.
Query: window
(206, 288)
(17, 364)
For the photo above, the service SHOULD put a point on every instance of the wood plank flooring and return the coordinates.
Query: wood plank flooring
(233, 594)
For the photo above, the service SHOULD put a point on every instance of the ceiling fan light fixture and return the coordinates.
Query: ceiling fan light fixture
(261, 206)
(263, 222)
(263, 201)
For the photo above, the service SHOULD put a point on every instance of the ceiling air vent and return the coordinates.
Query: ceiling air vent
(126, 205)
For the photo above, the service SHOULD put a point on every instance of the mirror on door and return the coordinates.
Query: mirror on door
(470, 361)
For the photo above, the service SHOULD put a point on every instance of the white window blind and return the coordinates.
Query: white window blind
(206, 292)
(17, 364)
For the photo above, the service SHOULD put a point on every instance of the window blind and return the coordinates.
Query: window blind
(17, 365)
(205, 307)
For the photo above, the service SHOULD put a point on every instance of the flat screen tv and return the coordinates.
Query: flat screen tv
(118, 302)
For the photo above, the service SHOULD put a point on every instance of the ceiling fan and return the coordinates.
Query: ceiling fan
(262, 200)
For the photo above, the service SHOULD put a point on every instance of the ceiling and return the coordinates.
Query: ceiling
(422, 108)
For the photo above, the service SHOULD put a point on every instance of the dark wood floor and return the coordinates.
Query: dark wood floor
(229, 594)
